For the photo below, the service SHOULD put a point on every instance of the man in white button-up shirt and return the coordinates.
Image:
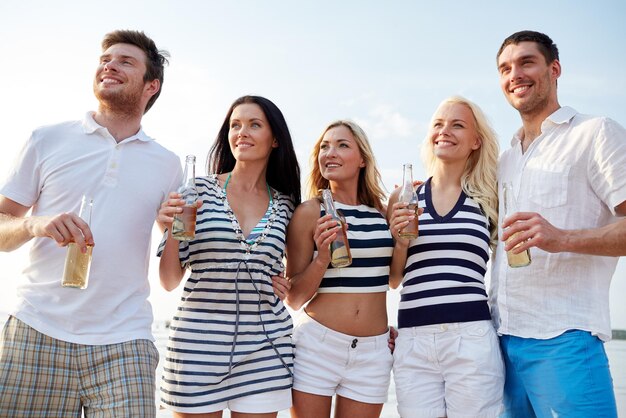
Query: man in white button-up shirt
(568, 172)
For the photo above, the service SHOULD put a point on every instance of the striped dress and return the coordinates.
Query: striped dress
(371, 246)
(231, 335)
(446, 265)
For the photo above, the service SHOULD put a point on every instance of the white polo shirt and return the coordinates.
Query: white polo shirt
(128, 181)
(574, 175)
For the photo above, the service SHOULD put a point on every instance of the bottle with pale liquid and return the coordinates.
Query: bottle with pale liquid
(184, 223)
(408, 195)
(340, 255)
(77, 263)
(510, 207)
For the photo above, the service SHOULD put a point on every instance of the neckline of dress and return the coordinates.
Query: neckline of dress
(269, 192)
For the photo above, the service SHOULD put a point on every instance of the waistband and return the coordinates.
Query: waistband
(441, 328)
(329, 336)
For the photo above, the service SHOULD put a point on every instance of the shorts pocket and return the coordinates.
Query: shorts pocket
(549, 182)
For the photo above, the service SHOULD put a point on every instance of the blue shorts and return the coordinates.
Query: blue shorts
(565, 376)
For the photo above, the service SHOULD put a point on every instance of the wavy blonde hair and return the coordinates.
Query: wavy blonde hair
(479, 178)
(370, 189)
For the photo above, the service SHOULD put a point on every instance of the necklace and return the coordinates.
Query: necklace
(249, 246)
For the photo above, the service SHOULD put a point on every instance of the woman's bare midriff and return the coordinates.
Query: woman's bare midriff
(357, 314)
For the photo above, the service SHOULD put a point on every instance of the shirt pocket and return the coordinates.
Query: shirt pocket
(548, 185)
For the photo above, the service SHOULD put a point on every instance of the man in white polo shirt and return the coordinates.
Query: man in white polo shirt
(568, 172)
(64, 350)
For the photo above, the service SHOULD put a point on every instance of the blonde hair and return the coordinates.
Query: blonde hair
(370, 189)
(479, 178)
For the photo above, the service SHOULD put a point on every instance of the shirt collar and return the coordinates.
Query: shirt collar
(90, 126)
(561, 116)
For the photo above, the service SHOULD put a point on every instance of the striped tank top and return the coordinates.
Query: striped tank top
(371, 246)
(446, 264)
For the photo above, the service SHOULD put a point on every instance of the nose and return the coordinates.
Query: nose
(331, 151)
(515, 73)
(243, 132)
(444, 130)
(110, 66)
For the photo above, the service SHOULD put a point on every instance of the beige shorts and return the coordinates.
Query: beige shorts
(328, 362)
(43, 376)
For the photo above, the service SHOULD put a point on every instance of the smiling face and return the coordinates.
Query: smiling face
(453, 133)
(339, 156)
(250, 136)
(527, 80)
(119, 81)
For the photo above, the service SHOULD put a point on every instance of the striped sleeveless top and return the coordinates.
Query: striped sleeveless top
(446, 264)
(371, 246)
(231, 335)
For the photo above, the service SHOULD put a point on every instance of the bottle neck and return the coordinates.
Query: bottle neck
(329, 204)
(407, 177)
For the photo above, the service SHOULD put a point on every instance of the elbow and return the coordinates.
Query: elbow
(169, 282)
(394, 282)
(294, 303)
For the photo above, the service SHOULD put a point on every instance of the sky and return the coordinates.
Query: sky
(385, 65)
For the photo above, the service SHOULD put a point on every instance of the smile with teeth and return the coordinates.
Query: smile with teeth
(244, 145)
(444, 143)
(110, 81)
(332, 165)
(520, 89)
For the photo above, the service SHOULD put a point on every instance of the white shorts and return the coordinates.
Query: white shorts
(328, 362)
(452, 370)
(261, 403)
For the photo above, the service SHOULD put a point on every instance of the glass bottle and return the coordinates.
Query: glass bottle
(340, 255)
(184, 224)
(77, 263)
(510, 207)
(408, 195)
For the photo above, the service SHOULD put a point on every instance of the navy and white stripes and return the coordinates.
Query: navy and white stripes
(445, 268)
(371, 245)
(231, 335)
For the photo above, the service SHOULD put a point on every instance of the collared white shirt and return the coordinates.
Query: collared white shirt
(128, 181)
(574, 175)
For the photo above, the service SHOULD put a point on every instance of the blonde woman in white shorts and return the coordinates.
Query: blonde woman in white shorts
(341, 338)
(447, 360)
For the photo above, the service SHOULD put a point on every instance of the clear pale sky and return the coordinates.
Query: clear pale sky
(384, 64)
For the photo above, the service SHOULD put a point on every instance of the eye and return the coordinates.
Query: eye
(459, 125)
(234, 125)
(437, 125)
(323, 146)
(344, 145)
(256, 125)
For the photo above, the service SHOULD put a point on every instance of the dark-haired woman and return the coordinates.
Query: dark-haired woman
(230, 340)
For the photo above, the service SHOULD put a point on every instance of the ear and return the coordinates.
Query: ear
(152, 87)
(477, 143)
(555, 69)
(362, 163)
(274, 143)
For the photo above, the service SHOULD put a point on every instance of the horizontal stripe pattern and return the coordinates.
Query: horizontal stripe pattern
(231, 335)
(371, 246)
(446, 265)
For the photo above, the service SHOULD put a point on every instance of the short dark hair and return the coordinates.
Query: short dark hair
(155, 58)
(283, 171)
(546, 46)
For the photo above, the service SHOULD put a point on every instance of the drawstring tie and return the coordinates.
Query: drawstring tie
(232, 350)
